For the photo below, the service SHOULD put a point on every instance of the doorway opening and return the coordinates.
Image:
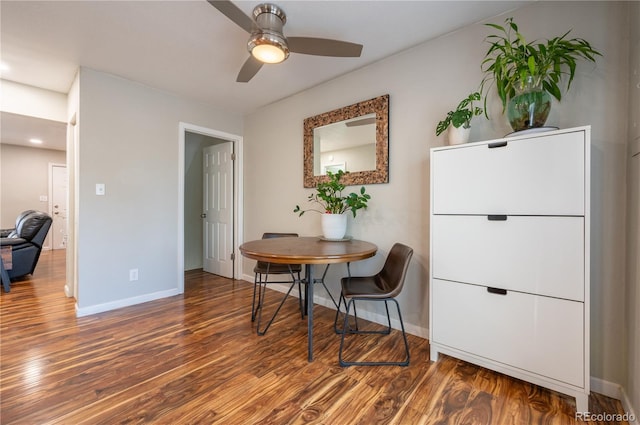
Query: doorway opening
(199, 225)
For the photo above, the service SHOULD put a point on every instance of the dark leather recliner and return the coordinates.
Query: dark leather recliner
(11, 233)
(26, 242)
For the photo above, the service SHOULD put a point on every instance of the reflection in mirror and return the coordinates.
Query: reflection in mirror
(348, 145)
(353, 139)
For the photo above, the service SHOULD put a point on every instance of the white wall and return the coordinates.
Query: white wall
(424, 83)
(128, 140)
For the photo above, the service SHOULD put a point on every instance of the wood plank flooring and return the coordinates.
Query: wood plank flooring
(196, 359)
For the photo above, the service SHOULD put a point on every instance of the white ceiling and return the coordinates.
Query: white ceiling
(188, 48)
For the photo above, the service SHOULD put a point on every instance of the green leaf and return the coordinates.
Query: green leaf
(532, 65)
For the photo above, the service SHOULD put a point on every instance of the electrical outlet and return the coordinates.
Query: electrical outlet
(133, 275)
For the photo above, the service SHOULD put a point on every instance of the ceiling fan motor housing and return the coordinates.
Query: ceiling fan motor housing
(270, 19)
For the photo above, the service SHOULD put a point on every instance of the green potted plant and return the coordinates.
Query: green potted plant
(526, 74)
(332, 204)
(459, 121)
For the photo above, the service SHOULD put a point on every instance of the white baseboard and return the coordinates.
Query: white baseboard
(607, 388)
(613, 390)
(100, 308)
(628, 407)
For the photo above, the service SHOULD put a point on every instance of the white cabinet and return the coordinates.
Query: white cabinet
(509, 263)
(542, 177)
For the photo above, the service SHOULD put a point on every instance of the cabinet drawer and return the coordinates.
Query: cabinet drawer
(541, 176)
(538, 255)
(537, 334)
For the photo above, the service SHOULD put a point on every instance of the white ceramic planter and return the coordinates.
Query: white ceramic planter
(334, 226)
(458, 135)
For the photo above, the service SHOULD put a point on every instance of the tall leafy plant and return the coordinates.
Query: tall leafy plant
(510, 60)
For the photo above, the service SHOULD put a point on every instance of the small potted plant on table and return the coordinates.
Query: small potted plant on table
(333, 205)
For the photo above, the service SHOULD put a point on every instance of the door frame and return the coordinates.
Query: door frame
(237, 141)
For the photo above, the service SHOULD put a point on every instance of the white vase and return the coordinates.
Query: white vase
(334, 226)
(458, 135)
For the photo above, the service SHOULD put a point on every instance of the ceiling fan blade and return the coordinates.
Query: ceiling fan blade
(234, 13)
(324, 47)
(248, 70)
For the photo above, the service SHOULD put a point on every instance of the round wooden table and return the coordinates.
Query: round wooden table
(307, 251)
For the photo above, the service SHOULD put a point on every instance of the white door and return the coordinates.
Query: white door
(59, 189)
(217, 203)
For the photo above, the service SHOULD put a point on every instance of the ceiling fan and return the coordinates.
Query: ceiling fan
(267, 43)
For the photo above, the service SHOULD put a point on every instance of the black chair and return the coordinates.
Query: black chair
(262, 271)
(383, 286)
(26, 243)
(5, 233)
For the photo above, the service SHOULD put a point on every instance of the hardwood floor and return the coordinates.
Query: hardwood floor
(196, 359)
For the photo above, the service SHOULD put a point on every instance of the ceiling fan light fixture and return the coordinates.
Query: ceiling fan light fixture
(268, 47)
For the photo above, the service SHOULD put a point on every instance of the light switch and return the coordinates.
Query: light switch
(43, 198)
(99, 188)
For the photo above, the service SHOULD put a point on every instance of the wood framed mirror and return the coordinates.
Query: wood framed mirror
(353, 139)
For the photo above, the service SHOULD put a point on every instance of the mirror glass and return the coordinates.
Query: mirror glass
(352, 139)
(348, 145)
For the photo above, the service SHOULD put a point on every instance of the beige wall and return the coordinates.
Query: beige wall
(633, 218)
(424, 83)
(128, 140)
(24, 177)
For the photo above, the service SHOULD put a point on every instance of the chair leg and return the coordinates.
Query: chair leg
(335, 322)
(342, 300)
(262, 291)
(367, 363)
(264, 331)
(257, 284)
(300, 296)
(321, 280)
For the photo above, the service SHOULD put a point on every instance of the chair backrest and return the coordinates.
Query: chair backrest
(22, 215)
(395, 268)
(34, 227)
(19, 219)
(270, 235)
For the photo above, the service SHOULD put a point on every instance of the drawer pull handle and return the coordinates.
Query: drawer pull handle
(497, 291)
(497, 217)
(497, 144)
